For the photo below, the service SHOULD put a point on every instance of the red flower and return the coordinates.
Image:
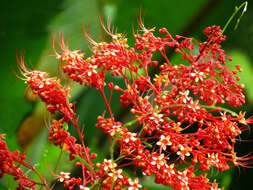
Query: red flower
(49, 89)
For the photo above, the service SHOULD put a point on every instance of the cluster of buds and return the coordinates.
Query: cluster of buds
(11, 162)
(180, 120)
(49, 90)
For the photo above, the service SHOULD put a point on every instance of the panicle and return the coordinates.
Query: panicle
(60, 137)
(11, 162)
(178, 115)
(49, 90)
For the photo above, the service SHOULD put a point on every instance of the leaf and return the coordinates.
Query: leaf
(157, 14)
(23, 28)
(240, 17)
(149, 183)
(240, 58)
(52, 158)
(3, 187)
(69, 21)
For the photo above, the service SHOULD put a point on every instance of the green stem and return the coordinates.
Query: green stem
(36, 172)
(113, 183)
(221, 109)
(243, 5)
(112, 149)
(147, 144)
(130, 123)
(122, 156)
(58, 161)
(85, 163)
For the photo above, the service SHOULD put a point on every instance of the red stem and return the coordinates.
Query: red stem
(106, 103)
(74, 122)
(34, 170)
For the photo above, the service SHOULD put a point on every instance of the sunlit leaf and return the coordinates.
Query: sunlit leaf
(240, 58)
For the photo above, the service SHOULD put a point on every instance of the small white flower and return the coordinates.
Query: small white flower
(83, 188)
(116, 174)
(199, 76)
(130, 136)
(164, 142)
(185, 96)
(109, 165)
(134, 185)
(64, 176)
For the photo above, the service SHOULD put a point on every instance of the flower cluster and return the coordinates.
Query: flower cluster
(11, 162)
(114, 178)
(49, 90)
(180, 124)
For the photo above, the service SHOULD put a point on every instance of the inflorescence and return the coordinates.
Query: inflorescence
(180, 125)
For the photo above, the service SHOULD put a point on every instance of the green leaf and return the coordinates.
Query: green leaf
(23, 28)
(240, 58)
(33, 33)
(69, 22)
(160, 14)
(149, 183)
(3, 187)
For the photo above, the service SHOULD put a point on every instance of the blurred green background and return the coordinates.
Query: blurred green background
(27, 26)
